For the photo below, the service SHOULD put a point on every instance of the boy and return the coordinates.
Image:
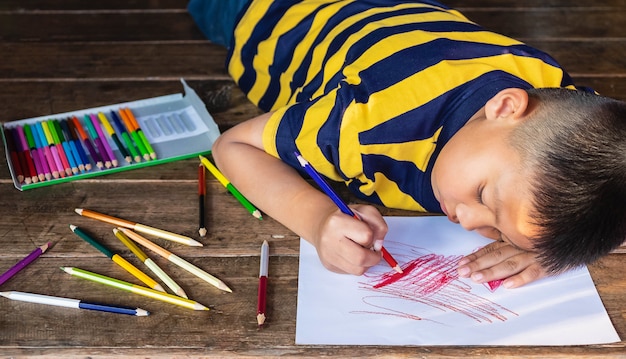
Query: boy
(415, 107)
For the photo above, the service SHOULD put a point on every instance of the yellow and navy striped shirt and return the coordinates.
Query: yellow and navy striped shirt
(369, 91)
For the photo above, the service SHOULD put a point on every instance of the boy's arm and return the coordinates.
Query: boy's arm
(279, 191)
(500, 260)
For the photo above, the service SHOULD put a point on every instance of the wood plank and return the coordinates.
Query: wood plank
(170, 25)
(39, 5)
(35, 5)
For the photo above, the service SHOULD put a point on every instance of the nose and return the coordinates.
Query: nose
(476, 217)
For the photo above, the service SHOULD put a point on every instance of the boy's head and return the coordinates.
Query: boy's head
(544, 170)
(574, 147)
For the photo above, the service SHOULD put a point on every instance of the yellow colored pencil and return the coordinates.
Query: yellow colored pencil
(176, 260)
(119, 260)
(229, 186)
(150, 263)
(137, 289)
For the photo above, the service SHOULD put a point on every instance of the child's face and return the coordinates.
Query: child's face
(479, 183)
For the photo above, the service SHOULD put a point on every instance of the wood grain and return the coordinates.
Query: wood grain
(60, 56)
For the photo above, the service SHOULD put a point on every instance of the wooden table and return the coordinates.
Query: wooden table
(65, 56)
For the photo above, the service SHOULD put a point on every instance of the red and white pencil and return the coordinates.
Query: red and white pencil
(262, 295)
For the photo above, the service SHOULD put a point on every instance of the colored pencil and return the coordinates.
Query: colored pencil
(61, 161)
(130, 127)
(201, 199)
(342, 206)
(117, 123)
(84, 138)
(68, 124)
(150, 263)
(93, 134)
(229, 186)
(72, 303)
(119, 260)
(261, 297)
(17, 165)
(44, 170)
(56, 140)
(176, 260)
(42, 143)
(70, 147)
(138, 227)
(105, 143)
(23, 263)
(142, 136)
(58, 135)
(29, 159)
(109, 129)
(21, 155)
(137, 289)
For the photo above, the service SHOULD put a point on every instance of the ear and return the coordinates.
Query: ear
(510, 103)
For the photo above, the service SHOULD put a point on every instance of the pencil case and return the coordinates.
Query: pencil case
(129, 135)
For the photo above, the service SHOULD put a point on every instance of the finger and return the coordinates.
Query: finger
(488, 257)
(530, 274)
(485, 250)
(376, 222)
(511, 266)
(357, 259)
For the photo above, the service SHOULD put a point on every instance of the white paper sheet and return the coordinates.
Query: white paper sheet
(431, 305)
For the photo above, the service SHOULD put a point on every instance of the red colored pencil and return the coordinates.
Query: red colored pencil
(17, 166)
(262, 293)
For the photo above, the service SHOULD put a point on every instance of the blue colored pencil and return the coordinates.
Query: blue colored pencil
(72, 303)
(342, 206)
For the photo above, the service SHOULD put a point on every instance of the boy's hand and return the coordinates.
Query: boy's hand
(500, 260)
(344, 243)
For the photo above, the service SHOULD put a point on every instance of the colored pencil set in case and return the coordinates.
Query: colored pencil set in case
(64, 147)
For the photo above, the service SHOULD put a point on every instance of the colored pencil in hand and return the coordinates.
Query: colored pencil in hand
(127, 266)
(261, 297)
(150, 263)
(72, 303)
(176, 260)
(342, 206)
(23, 263)
(137, 289)
(229, 186)
(201, 199)
(138, 227)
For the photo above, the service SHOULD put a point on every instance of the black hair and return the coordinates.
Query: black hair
(573, 146)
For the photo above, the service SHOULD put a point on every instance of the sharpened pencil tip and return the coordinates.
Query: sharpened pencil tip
(224, 287)
(142, 312)
(398, 269)
(202, 232)
(181, 293)
(194, 243)
(260, 319)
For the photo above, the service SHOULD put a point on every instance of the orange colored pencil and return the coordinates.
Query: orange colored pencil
(138, 227)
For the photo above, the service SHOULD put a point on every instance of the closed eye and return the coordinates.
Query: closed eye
(479, 194)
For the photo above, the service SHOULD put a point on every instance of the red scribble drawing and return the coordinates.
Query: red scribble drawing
(429, 279)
